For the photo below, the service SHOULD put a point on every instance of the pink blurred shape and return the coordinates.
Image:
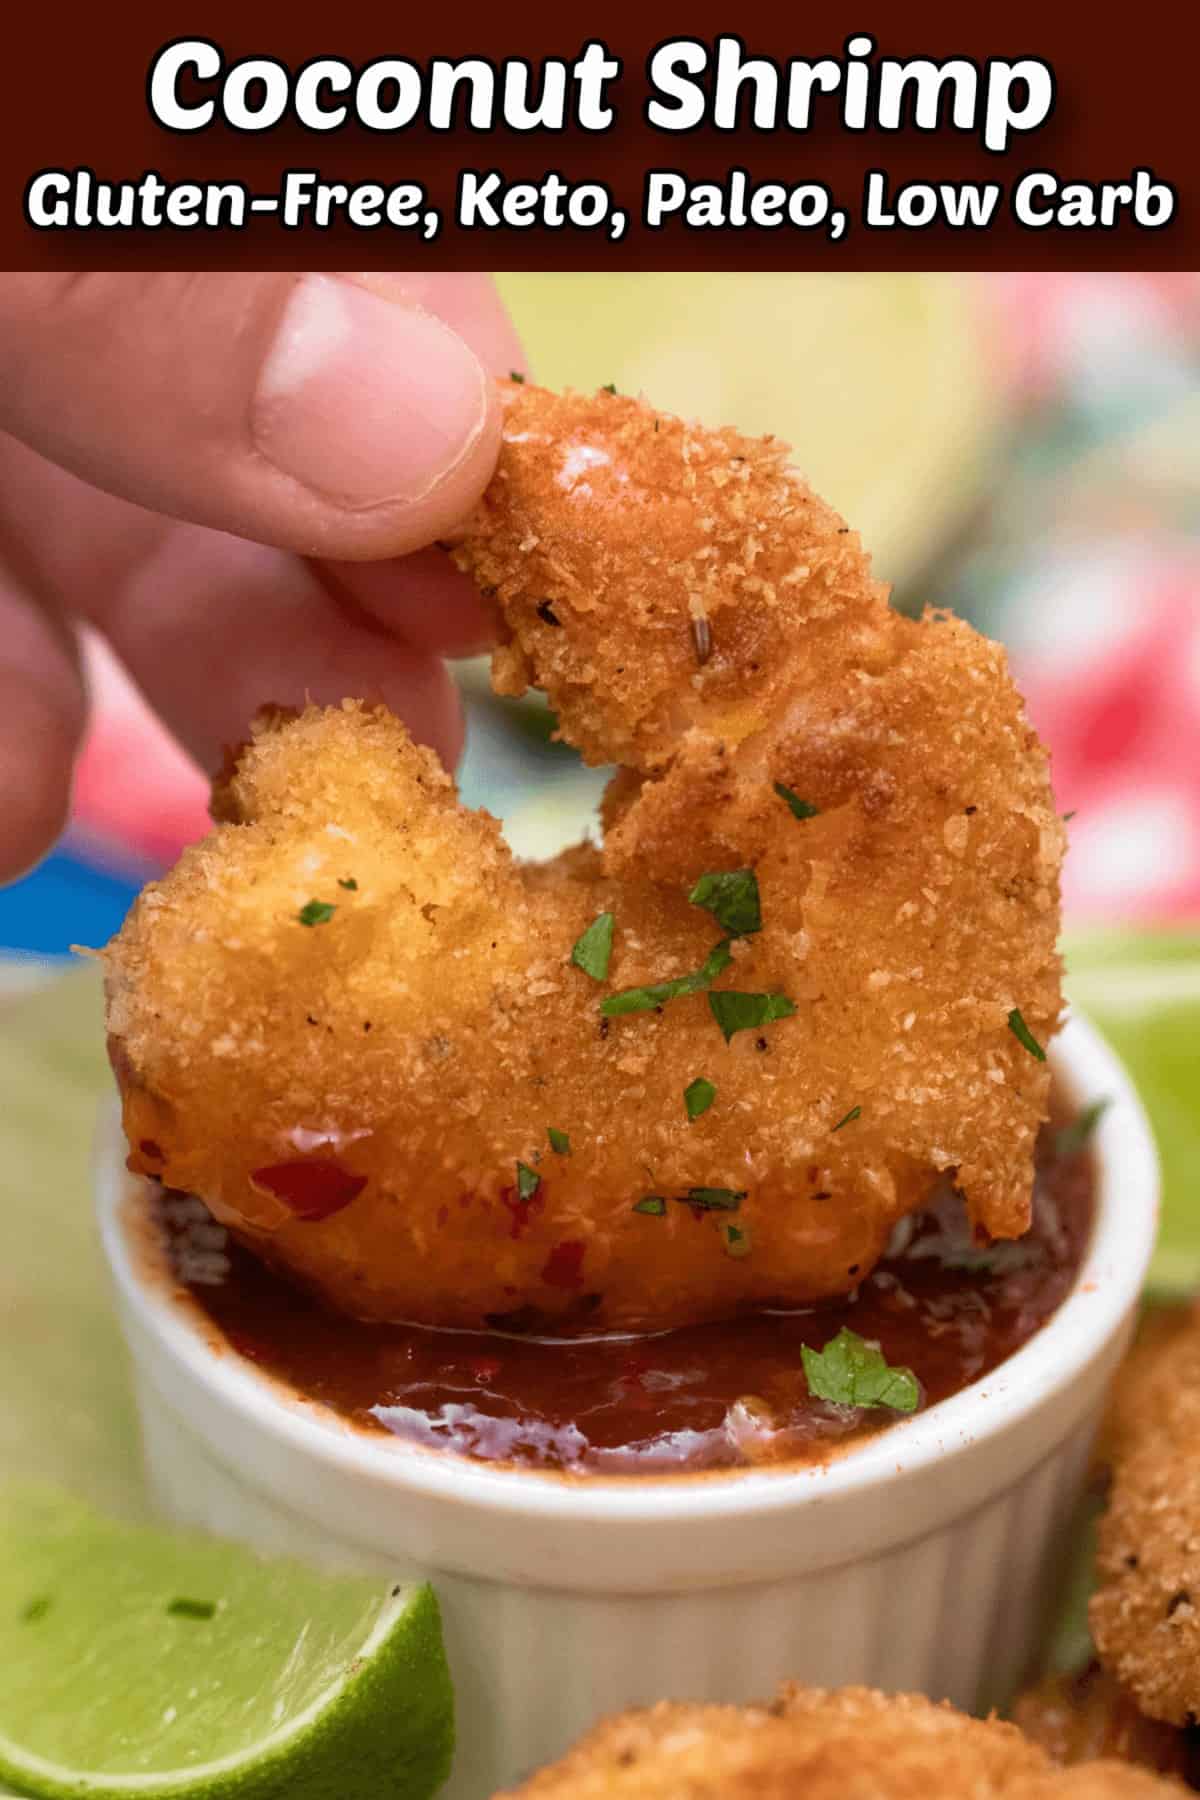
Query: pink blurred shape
(136, 791)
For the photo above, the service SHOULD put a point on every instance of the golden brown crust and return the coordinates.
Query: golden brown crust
(852, 1744)
(610, 530)
(426, 1037)
(1146, 1614)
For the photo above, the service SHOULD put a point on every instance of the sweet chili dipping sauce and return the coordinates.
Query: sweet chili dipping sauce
(700, 1398)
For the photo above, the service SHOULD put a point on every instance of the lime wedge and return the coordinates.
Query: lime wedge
(66, 1410)
(136, 1661)
(1143, 991)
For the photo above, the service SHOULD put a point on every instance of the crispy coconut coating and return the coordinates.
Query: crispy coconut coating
(849, 1745)
(653, 576)
(419, 1043)
(1146, 1614)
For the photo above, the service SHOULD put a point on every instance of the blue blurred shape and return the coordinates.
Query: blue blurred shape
(67, 900)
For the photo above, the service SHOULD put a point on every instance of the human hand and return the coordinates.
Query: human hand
(234, 478)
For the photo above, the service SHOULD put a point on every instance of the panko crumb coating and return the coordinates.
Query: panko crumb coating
(695, 614)
(1145, 1616)
(852, 1744)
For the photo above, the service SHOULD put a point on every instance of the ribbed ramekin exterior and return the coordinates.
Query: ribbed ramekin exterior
(921, 1560)
(955, 1613)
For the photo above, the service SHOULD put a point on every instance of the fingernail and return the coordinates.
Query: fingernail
(363, 400)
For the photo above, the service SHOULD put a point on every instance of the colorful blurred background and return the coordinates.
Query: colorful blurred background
(1025, 448)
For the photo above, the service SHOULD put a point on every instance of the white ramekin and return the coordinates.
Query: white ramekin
(921, 1559)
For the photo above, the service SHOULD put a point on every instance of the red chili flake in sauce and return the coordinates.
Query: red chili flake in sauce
(523, 1211)
(564, 1266)
(150, 1149)
(313, 1190)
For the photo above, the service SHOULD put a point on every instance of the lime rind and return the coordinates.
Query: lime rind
(149, 1663)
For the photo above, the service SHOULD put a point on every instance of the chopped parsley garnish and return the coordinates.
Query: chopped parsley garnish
(698, 1096)
(560, 1143)
(350, 884)
(1073, 1137)
(1023, 1035)
(854, 1113)
(592, 951)
(645, 999)
(1068, 816)
(35, 1609)
(732, 899)
(184, 1608)
(528, 1181)
(737, 1238)
(851, 1372)
(801, 809)
(713, 1199)
(653, 1204)
(744, 1012)
(516, 375)
(610, 387)
(317, 912)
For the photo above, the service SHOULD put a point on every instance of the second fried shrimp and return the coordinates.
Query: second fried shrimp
(1146, 1614)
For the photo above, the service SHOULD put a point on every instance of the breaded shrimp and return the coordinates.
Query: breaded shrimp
(365, 1094)
(1146, 1614)
(849, 1745)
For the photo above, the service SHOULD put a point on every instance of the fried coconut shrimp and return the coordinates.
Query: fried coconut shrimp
(356, 1027)
(1146, 1614)
(849, 1745)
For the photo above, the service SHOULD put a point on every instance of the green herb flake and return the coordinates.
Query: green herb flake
(736, 1238)
(645, 999)
(854, 1113)
(652, 1204)
(732, 898)
(317, 912)
(610, 387)
(35, 1609)
(800, 809)
(714, 1199)
(1075, 1136)
(528, 1182)
(698, 1096)
(349, 884)
(183, 1608)
(560, 1143)
(1068, 816)
(592, 951)
(516, 375)
(736, 1012)
(1023, 1035)
(851, 1372)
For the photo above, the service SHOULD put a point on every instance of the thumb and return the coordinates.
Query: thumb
(317, 412)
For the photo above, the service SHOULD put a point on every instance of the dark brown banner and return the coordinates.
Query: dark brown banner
(812, 138)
